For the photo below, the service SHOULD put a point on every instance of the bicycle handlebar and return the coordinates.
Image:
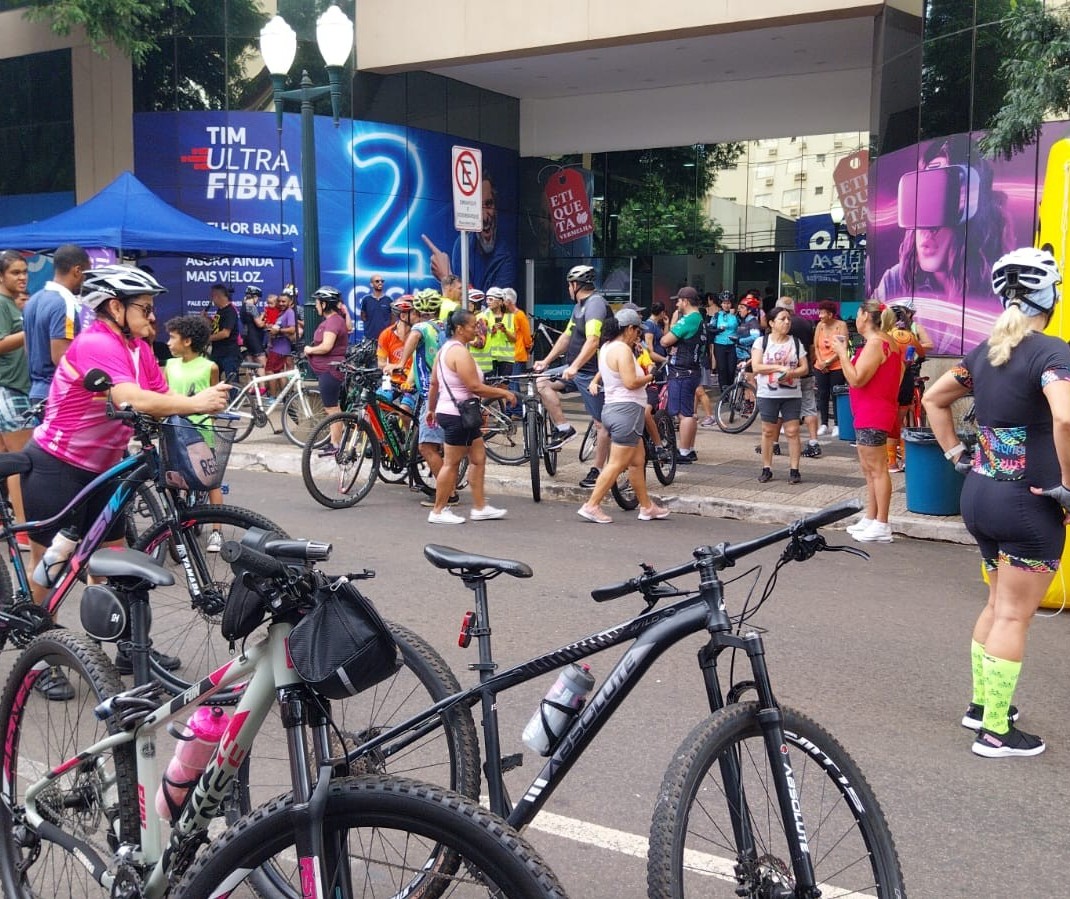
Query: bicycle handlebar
(724, 555)
(268, 560)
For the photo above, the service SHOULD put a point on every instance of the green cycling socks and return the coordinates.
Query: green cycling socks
(1001, 677)
(977, 654)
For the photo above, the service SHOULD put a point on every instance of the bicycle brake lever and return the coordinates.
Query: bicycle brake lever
(853, 550)
(364, 575)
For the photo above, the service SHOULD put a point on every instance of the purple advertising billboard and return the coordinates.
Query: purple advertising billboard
(940, 215)
(385, 202)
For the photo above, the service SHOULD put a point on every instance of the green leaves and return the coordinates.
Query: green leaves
(1037, 70)
(131, 24)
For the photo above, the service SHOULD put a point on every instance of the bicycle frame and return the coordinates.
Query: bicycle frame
(251, 389)
(651, 634)
(374, 410)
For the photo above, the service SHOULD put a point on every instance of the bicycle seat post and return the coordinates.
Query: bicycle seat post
(486, 666)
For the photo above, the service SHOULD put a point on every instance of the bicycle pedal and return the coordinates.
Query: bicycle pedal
(509, 762)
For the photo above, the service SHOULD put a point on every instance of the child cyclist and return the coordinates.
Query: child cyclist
(189, 371)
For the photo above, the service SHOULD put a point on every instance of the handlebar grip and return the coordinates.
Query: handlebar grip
(255, 562)
(832, 513)
(305, 550)
(614, 591)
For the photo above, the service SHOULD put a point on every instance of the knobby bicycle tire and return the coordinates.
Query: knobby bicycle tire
(665, 471)
(503, 437)
(343, 478)
(624, 493)
(736, 409)
(192, 634)
(532, 429)
(246, 421)
(692, 849)
(381, 822)
(448, 755)
(298, 425)
(96, 801)
(549, 456)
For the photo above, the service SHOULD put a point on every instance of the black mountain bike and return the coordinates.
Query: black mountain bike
(759, 800)
(511, 441)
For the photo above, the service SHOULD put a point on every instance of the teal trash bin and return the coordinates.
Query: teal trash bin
(933, 485)
(845, 419)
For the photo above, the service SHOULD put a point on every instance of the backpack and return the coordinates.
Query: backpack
(704, 343)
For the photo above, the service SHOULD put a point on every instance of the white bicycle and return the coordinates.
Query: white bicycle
(302, 407)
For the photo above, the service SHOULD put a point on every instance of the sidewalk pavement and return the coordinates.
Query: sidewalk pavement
(723, 483)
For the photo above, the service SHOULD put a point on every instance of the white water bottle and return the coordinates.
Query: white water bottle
(560, 705)
(58, 552)
(193, 751)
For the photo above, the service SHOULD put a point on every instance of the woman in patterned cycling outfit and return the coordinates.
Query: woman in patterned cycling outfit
(1013, 500)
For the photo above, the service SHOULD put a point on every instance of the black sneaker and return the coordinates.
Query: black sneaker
(592, 477)
(975, 715)
(54, 686)
(327, 450)
(560, 438)
(1000, 746)
(793, 476)
(124, 662)
(812, 451)
(765, 476)
(685, 458)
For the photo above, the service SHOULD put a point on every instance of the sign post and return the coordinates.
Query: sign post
(467, 202)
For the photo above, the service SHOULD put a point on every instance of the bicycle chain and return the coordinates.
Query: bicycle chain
(36, 619)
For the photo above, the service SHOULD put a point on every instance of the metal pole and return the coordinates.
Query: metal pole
(309, 206)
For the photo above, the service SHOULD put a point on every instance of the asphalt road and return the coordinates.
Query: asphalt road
(877, 652)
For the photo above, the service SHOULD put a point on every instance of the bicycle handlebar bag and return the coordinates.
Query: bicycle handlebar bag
(343, 645)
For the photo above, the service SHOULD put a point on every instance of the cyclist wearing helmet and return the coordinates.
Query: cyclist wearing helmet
(328, 348)
(524, 341)
(391, 345)
(579, 344)
(77, 441)
(724, 326)
(253, 326)
(1014, 499)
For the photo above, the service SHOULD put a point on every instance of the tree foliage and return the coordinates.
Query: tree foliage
(1037, 70)
(653, 221)
(131, 24)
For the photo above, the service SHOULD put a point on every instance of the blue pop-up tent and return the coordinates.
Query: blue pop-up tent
(129, 218)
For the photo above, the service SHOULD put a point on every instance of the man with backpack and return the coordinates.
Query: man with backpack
(686, 340)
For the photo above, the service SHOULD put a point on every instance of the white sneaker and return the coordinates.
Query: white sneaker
(446, 516)
(859, 526)
(215, 542)
(486, 513)
(822, 431)
(835, 432)
(877, 532)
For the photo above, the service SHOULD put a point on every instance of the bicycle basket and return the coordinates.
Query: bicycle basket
(343, 646)
(194, 454)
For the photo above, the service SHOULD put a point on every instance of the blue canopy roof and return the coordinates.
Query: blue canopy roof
(128, 217)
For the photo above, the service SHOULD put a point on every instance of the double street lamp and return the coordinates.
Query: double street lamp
(278, 47)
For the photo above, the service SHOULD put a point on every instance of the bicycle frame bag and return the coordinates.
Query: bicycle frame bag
(343, 646)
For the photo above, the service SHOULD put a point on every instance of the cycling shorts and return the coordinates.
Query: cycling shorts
(1012, 525)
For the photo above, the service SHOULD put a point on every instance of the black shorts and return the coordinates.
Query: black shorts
(1010, 523)
(51, 485)
(455, 433)
(330, 388)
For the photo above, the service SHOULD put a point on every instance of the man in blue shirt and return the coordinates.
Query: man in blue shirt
(50, 319)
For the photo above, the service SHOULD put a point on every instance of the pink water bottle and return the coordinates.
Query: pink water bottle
(193, 751)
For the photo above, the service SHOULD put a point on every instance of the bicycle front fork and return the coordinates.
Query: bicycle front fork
(771, 721)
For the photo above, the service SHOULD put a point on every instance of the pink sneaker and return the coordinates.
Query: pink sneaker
(655, 512)
(594, 514)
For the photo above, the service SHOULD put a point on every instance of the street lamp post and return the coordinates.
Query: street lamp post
(278, 46)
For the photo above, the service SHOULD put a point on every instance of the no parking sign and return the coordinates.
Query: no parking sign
(467, 189)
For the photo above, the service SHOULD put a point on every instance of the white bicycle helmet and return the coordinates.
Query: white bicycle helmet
(581, 274)
(1027, 275)
(122, 282)
(329, 296)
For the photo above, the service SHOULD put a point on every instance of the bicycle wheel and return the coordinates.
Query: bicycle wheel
(385, 831)
(427, 482)
(665, 465)
(142, 514)
(736, 409)
(692, 849)
(448, 755)
(588, 442)
(503, 436)
(624, 493)
(302, 412)
(194, 638)
(549, 456)
(95, 801)
(532, 427)
(343, 478)
(246, 410)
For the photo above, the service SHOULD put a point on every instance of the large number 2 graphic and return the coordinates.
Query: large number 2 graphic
(380, 243)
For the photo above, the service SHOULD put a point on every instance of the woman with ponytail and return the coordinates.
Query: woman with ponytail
(1014, 500)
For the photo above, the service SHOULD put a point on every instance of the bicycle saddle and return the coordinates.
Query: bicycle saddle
(458, 562)
(120, 562)
(15, 463)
